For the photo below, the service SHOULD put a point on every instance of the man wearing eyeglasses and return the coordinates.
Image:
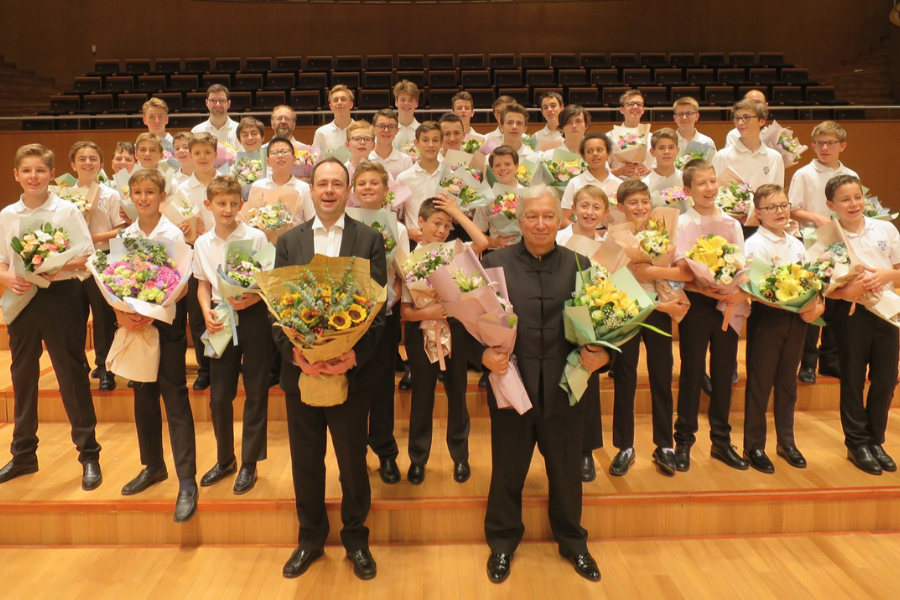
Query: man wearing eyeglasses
(219, 124)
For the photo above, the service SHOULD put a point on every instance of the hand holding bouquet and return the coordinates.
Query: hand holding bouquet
(37, 245)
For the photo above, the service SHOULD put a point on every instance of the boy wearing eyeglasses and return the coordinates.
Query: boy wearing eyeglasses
(775, 338)
(748, 156)
(687, 113)
(632, 109)
(385, 154)
(279, 160)
(218, 101)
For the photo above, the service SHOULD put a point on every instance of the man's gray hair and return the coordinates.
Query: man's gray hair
(538, 191)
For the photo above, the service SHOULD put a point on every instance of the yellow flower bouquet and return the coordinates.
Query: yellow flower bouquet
(790, 286)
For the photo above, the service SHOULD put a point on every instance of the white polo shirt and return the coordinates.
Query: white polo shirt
(526, 153)
(774, 249)
(734, 135)
(106, 217)
(565, 234)
(547, 136)
(691, 216)
(179, 177)
(227, 133)
(547, 155)
(762, 166)
(423, 185)
(698, 137)
(209, 253)
(196, 193)
(395, 163)
(406, 133)
(306, 210)
(807, 190)
(330, 136)
(610, 185)
(164, 230)
(877, 245)
(494, 136)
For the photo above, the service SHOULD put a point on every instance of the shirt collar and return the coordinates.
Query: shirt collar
(49, 204)
(239, 233)
(696, 217)
(867, 225)
(826, 169)
(418, 168)
(740, 147)
(766, 234)
(339, 224)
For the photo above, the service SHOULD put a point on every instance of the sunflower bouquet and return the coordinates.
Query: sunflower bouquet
(324, 309)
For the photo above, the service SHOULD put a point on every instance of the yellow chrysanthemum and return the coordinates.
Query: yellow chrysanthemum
(325, 290)
(285, 313)
(359, 299)
(357, 313)
(339, 320)
(307, 316)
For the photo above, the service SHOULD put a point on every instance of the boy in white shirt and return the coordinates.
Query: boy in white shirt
(868, 345)
(453, 134)
(513, 124)
(360, 143)
(774, 338)
(280, 159)
(686, 114)
(733, 135)
(664, 150)
(182, 143)
(594, 150)
(406, 98)
(218, 101)
(549, 137)
(148, 149)
(748, 157)
(504, 162)
(574, 121)
(499, 105)
(156, 117)
(463, 106)
(385, 153)
(632, 110)
(334, 134)
(424, 178)
(250, 132)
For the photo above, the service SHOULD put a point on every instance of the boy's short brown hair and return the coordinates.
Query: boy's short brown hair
(369, 166)
(502, 100)
(698, 164)
(149, 137)
(154, 103)
(555, 95)
(387, 113)
(569, 113)
(203, 138)
(594, 192)
(223, 184)
(126, 147)
(428, 209)
(428, 126)
(341, 88)
(629, 188)
(251, 123)
(686, 100)
(406, 87)
(216, 88)
(463, 96)
(360, 124)
(630, 94)
(504, 150)
(666, 133)
(148, 175)
(182, 135)
(516, 109)
(830, 128)
(758, 108)
(39, 150)
(764, 191)
(77, 146)
(839, 181)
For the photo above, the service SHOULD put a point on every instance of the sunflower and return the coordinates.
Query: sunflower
(339, 321)
(325, 290)
(286, 313)
(308, 316)
(357, 313)
(360, 299)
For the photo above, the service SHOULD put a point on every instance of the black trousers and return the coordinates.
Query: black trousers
(700, 332)
(381, 414)
(171, 384)
(105, 324)
(825, 354)
(775, 341)
(559, 440)
(659, 367)
(593, 424)
(866, 343)
(424, 381)
(197, 324)
(251, 359)
(53, 317)
(307, 430)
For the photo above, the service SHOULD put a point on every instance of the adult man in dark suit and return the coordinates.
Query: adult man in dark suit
(540, 277)
(331, 233)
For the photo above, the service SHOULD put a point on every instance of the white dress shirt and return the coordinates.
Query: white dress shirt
(807, 189)
(330, 136)
(610, 185)
(209, 253)
(227, 133)
(328, 241)
(759, 167)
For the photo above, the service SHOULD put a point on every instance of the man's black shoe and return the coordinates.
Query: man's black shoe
(300, 561)
(729, 456)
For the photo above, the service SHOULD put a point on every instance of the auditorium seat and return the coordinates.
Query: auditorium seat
(476, 79)
(119, 83)
(471, 62)
(441, 62)
(377, 80)
(62, 104)
(482, 97)
(317, 64)
(583, 96)
(441, 99)
(502, 61)
(573, 77)
(312, 81)
(195, 66)
(731, 76)
(540, 78)
(508, 77)
(700, 76)
(720, 95)
(268, 100)
(655, 96)
(88, 84)
(137, 66)
(564, 61)
(416, 77)
(175, 100)
(241, 101)
(611, 95)
(763, 76)
(167, 66)
(668, 77)
(624, 60)
(680, 91)
(248, 82)
(635, 77)
(349, 79)
(380, 62)
(741, 59)
(373, 99)
(97, 103)
(605, 77)
(348, 63)
(443, 79)
(108, 123)
(410, 62)
(654, 60)
(279, 81)
(794, 76)
(820, 94)
(132, 103)
(521, 94)
(771, 59)
(151, 83)
(288, 63)
(216, 78)
(712, 59)
(258, 64)
(533, 61)
(227, 65)
(305, 100)
(182, 83)
(594, 60)
(196, 101)
(787, 94)
(106, 67)
(684, 60)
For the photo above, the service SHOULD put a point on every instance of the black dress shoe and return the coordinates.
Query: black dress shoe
(107, 382)
(406, 380)
(245, 480)
(186, 504)
(145, 479)
(887, 463)
(202, 382)
(498, 566)
(363, 564)
(462, 472)
(706, 385)
(862, 459)
(96, 373)
(92, 477)
(664, 458)
(416, 473)
(299, 562)
(759, 461)
(483, 381)
(588, 470)
(806, 375)
(622, 462)
(218, 473)
(830, 372)
(14, 469)
(586, 566)
(791, 455)
(729, 456)
(682, 458)
(389, 471)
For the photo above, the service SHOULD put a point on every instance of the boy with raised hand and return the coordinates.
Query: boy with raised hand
(735, 134)
(250, 132)
(182, 143)
(574, 121)
(334, 134)
(104, 223)
(809, 206)
(406, 98)
(549, 137)
(513, 124)
(774, 338)
(452, 136)
(51, 318)
(250, 359)
(664, 150)
(867, 345)
(149, 150)
(701, 332)
(148, 191)
(632, 109)
(279, 160)
(435, 219)
(385, 152)
(499, 105)
(595, 150)
(686, 114)
(424, 178)
(463, 106)
(123, 157)
(748, 156)
(218, 101)
(156, 117)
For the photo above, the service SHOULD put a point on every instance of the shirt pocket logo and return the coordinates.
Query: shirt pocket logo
(882, 245)
(765, 170)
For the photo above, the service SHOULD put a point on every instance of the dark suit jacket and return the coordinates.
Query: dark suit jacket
(297, 247)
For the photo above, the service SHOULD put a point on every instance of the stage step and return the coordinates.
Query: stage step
(49, 507)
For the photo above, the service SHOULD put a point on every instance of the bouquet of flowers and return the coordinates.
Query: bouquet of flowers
(465, 184)
(74, 195)
(305, 158)
(502, 219)
(524, 175)
(248, 168)
(410, 149)
(874, 209)
(225, 154)
(324, 309)
(723, 259)
(832, 263)
(530, 140)
(383, 221)
(694, 150)
(270, 217)
(563, 168)
(674, 196)
(735, 199)
(783, 141)
(38, 245)
(630, 144)
(472, 145)
(178, 209)
(791, 286)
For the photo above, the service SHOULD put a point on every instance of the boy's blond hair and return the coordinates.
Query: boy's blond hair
(368, 166)
(830, 128)
(154, 103)
(666, 133)
(630, 94)
(341, 88)
(766, 190)
(39, 150)
(594, 192)
(428, 126)
(686, 100)
(758, 108)
(181, 135)
(631, 187)
(223, 184)
(149, 137)
(503, 100)
(406, 87)
(361, 124)
(203, 138)
(690, 169)
(77, 146)
(152, 175)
